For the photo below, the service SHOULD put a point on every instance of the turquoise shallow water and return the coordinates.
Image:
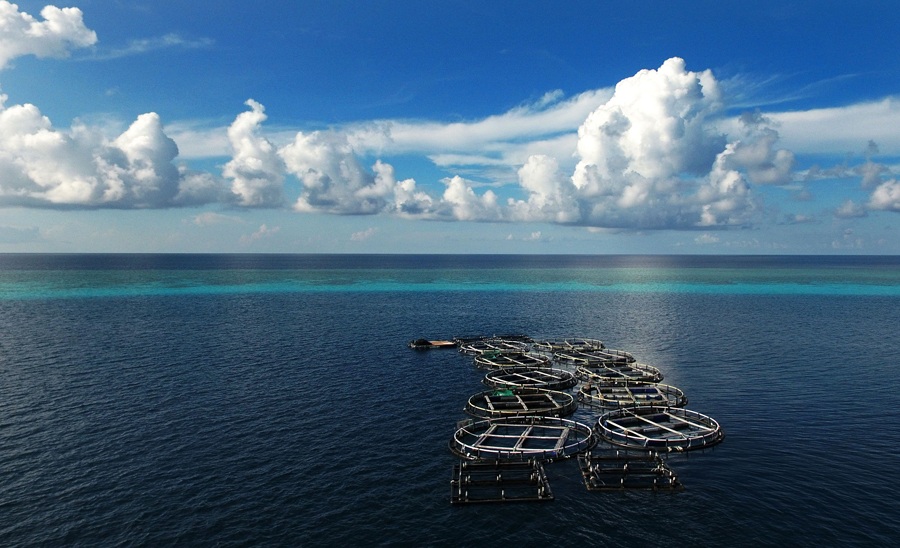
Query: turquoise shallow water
(143, 277)
(235, 400)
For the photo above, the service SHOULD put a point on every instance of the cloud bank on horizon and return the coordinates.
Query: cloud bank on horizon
(660, 150)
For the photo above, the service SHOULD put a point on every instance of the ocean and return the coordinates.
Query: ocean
(271, 399)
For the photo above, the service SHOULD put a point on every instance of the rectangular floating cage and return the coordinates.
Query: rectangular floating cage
(499, 481)
(621, 469)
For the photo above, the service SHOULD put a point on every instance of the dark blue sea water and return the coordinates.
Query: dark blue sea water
(271, 400)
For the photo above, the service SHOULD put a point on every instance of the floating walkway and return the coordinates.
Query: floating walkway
(616, 395)
(527, 377)
(508, 402)
(499, 481)
(622, 469)
(666, 428)
(521, 438)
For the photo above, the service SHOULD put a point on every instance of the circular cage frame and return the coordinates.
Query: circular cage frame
(669, 428)
(504, 346)
(632, 373)
(614, 395)
(530, 377)
(509, 402)
(595, 358)
(570, 344)
(494, 359)
(539, 438)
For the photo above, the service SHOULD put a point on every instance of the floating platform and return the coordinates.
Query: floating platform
(609, 373)
(497, 359)
(575, 344)
(521, 438)
(507, 402)
(528, 377)
(505, 346)
(425, 344)
(622, 469)
(499, 481)
(615, 395)
(668, 428)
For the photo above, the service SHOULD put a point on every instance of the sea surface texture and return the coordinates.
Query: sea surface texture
(271, 400)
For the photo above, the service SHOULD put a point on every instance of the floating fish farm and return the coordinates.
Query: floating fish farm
(634, 423)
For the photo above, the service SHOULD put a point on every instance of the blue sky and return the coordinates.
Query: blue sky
(457, 126)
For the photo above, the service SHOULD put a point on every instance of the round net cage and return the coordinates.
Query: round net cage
(611, 373)
(613, 395)
(521, 438)
(507, 402)
(667, 428)
(528, 377)
(495, 359)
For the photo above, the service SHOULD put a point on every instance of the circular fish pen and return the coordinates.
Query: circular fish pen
(495, 359)
(508, 402)
(576, 344)
(527, 377)
(668, 428)
(616, 395)
(610, 373)
(505, 346)
(591, 358)
(521, 438)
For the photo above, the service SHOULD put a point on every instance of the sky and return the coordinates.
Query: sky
(669, 127)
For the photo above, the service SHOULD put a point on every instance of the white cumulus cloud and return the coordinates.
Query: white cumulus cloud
(755, 152)
(551, 195)
(45, 167)
(465, 205)
(653, 126)
(650, 157)
(333, 179)
(886, 196)
(255, 169)
(21, 34)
